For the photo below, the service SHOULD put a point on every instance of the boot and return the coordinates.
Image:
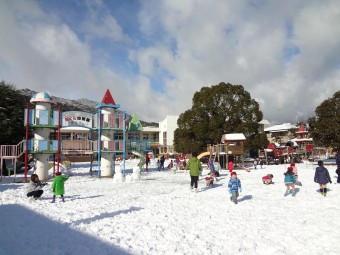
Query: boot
(294, 193)
(287, 192)
(324, 192)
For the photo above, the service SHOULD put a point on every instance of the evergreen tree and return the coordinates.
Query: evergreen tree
(325, 126)
(219, 109)
(12, 105)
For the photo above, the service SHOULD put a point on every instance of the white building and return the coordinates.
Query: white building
(167, 129)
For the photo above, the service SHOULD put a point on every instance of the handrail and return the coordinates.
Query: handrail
(12, 151)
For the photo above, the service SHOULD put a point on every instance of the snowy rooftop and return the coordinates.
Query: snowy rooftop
(233, 137)
(281, 127)
(42, 97)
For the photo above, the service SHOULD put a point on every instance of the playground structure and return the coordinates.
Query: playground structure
(102, 137)
(230, 149)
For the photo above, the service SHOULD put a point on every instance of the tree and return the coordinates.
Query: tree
(12, 105)
(219, 109)
(324, 128)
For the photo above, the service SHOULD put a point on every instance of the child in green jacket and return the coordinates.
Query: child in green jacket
(58, 186)
(195, 167)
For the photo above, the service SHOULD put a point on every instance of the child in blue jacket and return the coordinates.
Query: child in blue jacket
(234, 186)
(289, 181)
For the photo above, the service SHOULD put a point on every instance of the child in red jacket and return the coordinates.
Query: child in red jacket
(268, 179)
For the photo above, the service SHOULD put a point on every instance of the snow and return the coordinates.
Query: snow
(160, 215)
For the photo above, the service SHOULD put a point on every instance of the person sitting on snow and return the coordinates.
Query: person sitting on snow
(34, 188)
(268, 179)
(209, 180)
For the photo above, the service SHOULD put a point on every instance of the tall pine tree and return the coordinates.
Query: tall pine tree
(12, 105)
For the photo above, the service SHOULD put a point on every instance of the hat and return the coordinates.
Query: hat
(233, 173)
(290, 168)
(292, 164)
(58, 173)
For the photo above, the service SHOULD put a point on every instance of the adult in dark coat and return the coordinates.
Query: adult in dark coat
(337, 161)
(322, 177)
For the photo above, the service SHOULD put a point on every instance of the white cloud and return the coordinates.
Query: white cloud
(286, 54)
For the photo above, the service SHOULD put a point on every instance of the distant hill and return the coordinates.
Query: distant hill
(83, 104)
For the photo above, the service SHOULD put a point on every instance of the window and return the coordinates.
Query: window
(164, 138)
(118, 136)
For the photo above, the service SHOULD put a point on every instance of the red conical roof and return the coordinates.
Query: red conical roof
(108, 99)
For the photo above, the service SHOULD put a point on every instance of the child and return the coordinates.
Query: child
(195, 167)
(230, 167)
(234, 186)
(289, 181)
(58, 186)
(158, 165)
(171, 164)
(268, 179)
(295, 171)
(34, 188)
(209, 180)
(211, 166)
(322, 177)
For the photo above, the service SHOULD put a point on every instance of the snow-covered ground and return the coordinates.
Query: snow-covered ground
(160, 215)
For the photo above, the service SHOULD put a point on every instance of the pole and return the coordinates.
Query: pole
(99, 138)
(59, 142)
(124, 140)
(26, 142)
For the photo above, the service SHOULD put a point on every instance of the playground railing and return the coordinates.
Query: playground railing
(12, 151)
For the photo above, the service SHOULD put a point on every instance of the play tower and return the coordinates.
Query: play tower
(42, 120)
(110, 126)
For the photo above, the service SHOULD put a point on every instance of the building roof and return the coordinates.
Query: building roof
(42, 97)
(108, 99)
(279, 128)
(135, 124)
(233, 137)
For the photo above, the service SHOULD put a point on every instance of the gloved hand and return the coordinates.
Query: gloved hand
(229, 190)
(330, 181)
(240, 189)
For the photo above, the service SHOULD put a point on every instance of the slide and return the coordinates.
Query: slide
(141, 158)
(207, 153)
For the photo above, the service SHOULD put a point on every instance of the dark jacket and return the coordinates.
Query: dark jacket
(337, 159)
(322, 175)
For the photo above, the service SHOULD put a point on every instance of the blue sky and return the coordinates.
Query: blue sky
(154, 55)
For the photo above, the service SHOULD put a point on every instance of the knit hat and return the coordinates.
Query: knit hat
(290, 169)
(58, 173)
(233, 173)
(292, 164)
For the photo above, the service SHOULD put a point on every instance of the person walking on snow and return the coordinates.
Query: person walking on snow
(295, 172)
(234, 186)
(337, 161)
(322, 177)
(289, 181)
(195, 167)
(58, 186)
